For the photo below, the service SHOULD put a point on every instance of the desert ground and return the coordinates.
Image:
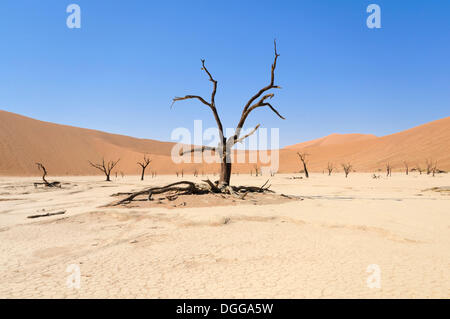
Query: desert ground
(318, 247)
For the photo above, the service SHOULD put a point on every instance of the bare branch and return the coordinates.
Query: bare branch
(211, 104)
(249, 106)
(198, 149)
(213, 94)
(272, 80)
(274, 110)
(145, 162)
(187, 97)
(247, 135)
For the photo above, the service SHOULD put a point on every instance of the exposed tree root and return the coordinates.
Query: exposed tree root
(45, 182)
(48, 184)
(189, 188)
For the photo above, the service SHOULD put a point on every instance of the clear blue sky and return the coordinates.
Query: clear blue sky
(119, 72)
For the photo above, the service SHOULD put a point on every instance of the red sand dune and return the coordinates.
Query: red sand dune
(430, 141)
(332, 139)
(65, 150)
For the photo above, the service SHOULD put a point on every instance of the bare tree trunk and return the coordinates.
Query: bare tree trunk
(306, 170)
(225, 170)
(302, 157)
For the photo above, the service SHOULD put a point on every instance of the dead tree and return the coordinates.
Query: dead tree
(44, 174)
(429, 165)
(330, 168)
(434, 168)
(225, 145)
(406, 167)
(419, 169)
(106, 167)
(388, 170)
(144, 165)
(256, 170)
(302, 157)
(347, 167)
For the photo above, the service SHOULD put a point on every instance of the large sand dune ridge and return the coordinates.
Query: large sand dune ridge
(65, 150)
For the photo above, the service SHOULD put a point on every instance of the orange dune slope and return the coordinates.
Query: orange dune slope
(415, 146)
(65, 150)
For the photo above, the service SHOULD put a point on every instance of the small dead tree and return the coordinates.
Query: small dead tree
(105, 167)
(44, 174)
(388, 169)
(429, 166)
(146, 161)
(406, 167)
(302, 157)
(256, 170)
(347, 167)
(330, 168)
(419, 169)
(434, 168)
(224, 148)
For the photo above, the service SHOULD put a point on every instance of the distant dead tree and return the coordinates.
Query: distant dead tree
(106, 167)
(330, 168)
(224, 147)
(44, 174)
(347, 167)
(388, 169)
(302, 157)
(256, 170)
(406, 167)
(434, 168)
(419, 169)
(429, 166)
(145, 162)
